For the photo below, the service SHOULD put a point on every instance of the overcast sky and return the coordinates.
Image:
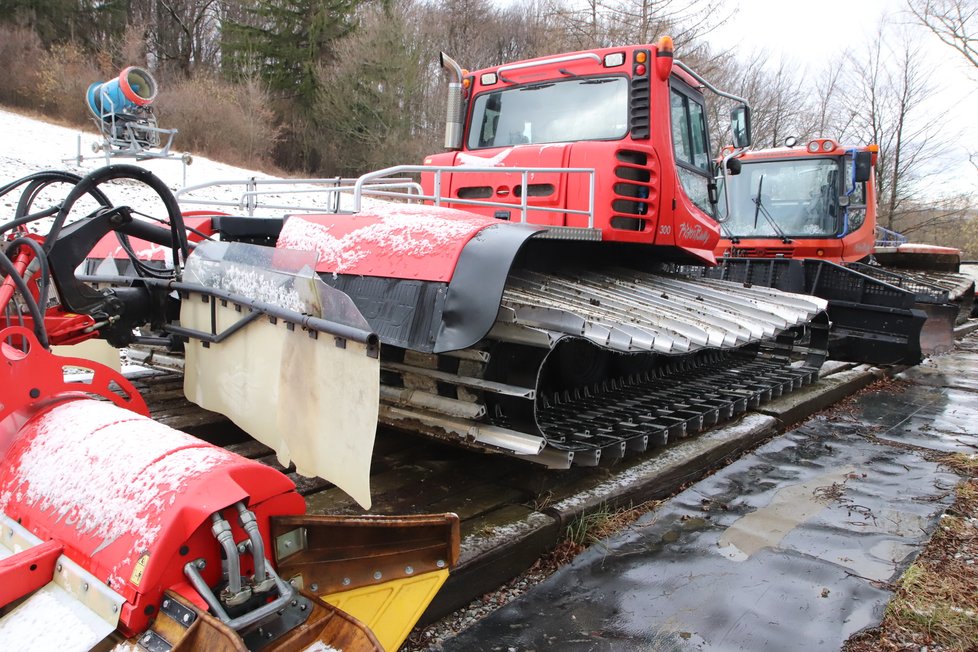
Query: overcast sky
(809, 33)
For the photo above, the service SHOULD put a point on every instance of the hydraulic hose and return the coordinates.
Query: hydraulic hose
(222, 532)
(250, 525)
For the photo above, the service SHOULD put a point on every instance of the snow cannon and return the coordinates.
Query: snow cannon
(117, 528)
(132, 89)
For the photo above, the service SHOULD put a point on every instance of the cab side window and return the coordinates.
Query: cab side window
(691, 145)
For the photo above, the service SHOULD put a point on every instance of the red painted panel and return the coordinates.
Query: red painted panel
(399, 241)
(27, 571)
(123, 494)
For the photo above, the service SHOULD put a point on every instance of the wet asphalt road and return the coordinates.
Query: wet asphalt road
(789, 548)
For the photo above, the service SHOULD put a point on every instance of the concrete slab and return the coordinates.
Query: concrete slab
(806, 401)
(946, 371)
(937, 418)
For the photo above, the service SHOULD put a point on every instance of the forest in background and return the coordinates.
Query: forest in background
(340, 87)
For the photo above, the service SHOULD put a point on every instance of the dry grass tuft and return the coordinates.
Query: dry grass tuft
(961, 463)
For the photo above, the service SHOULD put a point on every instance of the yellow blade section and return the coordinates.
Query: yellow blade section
(382, 570)
(390, 609)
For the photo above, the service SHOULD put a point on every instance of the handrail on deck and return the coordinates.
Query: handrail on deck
(389, 183)
(887, 238)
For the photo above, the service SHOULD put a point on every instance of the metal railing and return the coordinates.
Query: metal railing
(396, 183)
(254, 190)
(888, 238)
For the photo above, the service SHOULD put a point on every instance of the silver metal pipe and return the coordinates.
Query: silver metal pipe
(191, 571)
(454, 120)
(464, 381)
(510, 441)
(286, 592)
(247, 519)
(222, 532)
(425, 400)
(695, 75)
(564, 58)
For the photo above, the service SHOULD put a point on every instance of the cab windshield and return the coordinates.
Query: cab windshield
(594, 108)
(800, 197)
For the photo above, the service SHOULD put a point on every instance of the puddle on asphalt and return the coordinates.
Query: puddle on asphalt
(790, 507)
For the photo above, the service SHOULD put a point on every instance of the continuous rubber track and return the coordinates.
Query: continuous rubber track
(584, 368)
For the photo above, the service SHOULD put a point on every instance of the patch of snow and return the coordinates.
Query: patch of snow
(52, 620)
(42, 146)
(398, 230)
(319, 646)
(475, 161)
(31, 145)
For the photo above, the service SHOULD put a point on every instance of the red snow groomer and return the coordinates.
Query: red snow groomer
(817, 203)
(118, 530)
(525, 285)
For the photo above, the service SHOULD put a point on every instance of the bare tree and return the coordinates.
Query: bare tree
(182, 35)
(606, 23)
(888, 83)
(954, 22)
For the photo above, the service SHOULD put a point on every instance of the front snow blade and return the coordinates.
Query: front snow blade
(937, 335)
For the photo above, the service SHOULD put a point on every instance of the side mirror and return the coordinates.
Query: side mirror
(863, 166)
(740, 126)
(733, 166)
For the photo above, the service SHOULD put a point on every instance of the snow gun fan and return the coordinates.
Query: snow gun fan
(125, 94)
(122, 108)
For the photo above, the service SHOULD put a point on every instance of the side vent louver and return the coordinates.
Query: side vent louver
(634, 191)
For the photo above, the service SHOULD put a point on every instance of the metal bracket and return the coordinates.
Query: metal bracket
(78, 582)
(288, 619)
(153, 642)
(178, 612)
(290, 543)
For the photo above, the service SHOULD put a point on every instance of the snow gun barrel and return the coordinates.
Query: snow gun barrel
(134, 87)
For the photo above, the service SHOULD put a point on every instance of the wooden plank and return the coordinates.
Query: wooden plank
(495, 548)
(252, 449)
(306, 485)
(478, 500)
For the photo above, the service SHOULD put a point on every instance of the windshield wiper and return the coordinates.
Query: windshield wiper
(761, 209)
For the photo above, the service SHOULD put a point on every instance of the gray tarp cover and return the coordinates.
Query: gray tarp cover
(789, 548)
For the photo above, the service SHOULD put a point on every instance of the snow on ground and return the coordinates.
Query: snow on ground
(29, 145)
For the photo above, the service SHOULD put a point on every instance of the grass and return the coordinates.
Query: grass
(961, 463)
(597, 524)
(935, 605)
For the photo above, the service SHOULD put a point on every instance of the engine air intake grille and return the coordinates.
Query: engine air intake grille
(634, 191)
